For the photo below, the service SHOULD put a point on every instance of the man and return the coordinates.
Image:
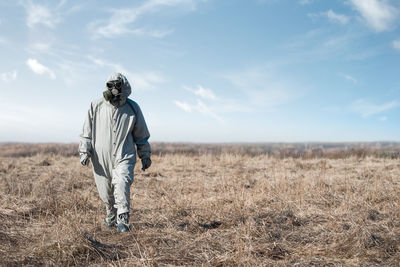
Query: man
(113, 126)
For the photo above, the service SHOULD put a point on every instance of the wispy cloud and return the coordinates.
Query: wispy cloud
(349, 78)
(267, 1)
(209, 104)
(366, 108)
(139, 80)
(253, 89)
(396, 44)
(206, 110)
(62, 3)
(200, 107)
(202, 92)
(40, 46)
(183, 105)
(48, 15)
(40, 69)
(38, 14)
(9, 76)
(121, 20)
(337, 18)
(322, 44)
(305, 2)
(332, 17)
(378, 14)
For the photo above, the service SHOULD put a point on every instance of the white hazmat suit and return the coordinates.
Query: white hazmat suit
(110, 133)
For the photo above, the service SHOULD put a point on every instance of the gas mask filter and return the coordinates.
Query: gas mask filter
(113, 91)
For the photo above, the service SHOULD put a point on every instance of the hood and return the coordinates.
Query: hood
(126, 87)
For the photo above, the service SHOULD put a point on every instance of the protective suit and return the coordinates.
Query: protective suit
(111, 131)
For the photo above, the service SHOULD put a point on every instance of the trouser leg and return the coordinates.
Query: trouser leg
(105, 189)
(121, 181)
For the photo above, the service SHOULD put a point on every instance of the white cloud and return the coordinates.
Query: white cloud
(305, 2)
(146, 80)
(200, 107)
(267, 1)
(332, 16)
(348, 77)
(62, 3)
(206, 110)
(202, 92)
(321, 45)
(396, 44)
(366, 108)
(38, 14)
(158, 33)
(337, 18)
(121, 19)
(212, 109)
(183, 105)
(40, 69)
(138, 80)
(378, 14)
(9, 76)
(40, 47)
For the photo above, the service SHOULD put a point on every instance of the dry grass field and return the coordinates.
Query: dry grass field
(219, 209)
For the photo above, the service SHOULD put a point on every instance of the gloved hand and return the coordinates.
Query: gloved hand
(85, 159)
(146, 162)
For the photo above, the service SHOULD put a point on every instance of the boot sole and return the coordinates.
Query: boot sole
(122, 228)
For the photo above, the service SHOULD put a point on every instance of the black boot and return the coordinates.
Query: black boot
(123, 222)
(111, 221)
(111, 217)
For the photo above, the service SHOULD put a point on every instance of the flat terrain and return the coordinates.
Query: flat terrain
(207, 209)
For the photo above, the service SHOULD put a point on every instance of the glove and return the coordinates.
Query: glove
(146, 162)
(85, 159)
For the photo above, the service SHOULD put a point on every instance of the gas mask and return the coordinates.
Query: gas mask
(113, 92)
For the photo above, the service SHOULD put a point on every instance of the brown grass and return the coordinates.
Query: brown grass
(277, 150)
(207, 209)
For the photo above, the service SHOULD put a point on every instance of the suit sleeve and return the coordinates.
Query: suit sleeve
(141, 135)
(85, 145)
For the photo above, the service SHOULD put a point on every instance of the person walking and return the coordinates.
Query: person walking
(113, 126)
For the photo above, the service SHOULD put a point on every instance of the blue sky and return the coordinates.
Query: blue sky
(205, 70)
